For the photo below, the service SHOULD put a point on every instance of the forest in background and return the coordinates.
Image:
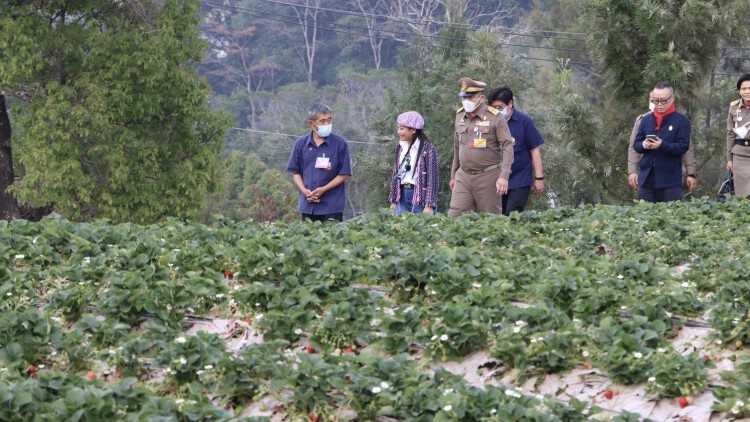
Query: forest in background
(580, 68)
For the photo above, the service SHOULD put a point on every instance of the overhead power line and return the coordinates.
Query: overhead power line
(294, 21)
(450, 25)
(289, 135)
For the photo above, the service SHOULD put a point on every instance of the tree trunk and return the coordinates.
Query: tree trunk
(8, 204)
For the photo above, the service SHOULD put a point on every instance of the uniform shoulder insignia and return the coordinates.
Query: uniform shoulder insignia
(734, 103)
(493, 110)
(459, 110)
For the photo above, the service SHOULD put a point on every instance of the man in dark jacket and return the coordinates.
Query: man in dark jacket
(663, 138)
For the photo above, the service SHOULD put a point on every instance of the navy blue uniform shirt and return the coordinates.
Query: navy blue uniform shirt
(527, 138)
(302, 161)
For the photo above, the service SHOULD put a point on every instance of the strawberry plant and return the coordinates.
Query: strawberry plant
(733, 397)
(400, 328)
(346, 321)
(674, 375)
(189, 354)
(27, 337)
(239, 379)
(458, 330)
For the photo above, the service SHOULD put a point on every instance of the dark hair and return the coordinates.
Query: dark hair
(663, 85)
(502, 93)
(420, 134)
(743, 78)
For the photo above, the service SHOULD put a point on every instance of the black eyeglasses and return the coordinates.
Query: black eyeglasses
(664, 101)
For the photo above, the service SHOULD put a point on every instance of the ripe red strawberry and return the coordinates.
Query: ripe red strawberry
(348, 380)
(248, 320)
(228, 273)
(349, 349)
(310, 349)
(685, 401)
(313, 417)
(609, 394)
(31, 370)
(91, 375)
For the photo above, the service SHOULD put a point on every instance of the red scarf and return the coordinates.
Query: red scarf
(660, 116)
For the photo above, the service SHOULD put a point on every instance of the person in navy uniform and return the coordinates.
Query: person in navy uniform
(663, 138)
(526, 173)
(320, 166)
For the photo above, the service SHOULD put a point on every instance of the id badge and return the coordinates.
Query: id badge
(479, 143)
(322, 162)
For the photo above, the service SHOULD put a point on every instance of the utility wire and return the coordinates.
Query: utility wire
(504, 31)
(388, 39)
(449, 25)
(242, 129)
(264, 14)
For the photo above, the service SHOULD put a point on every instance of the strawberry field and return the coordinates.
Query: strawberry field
(611, 313)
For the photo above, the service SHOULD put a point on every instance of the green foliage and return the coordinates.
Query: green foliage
(117, 124)
(249, 190)
(639, 43)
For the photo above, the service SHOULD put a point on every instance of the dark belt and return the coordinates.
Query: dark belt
(407, 186)
(484, 170)
(743, 142)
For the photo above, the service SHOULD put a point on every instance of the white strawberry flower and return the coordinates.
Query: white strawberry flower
(180, 340)
(447, 408)
(444, 337)
(637, 355)
(376, 390)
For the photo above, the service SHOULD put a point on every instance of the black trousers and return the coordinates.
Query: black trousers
(515, 200)
(337, 216)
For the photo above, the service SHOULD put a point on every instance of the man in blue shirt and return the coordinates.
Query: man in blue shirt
(320, 167)
(527, 158)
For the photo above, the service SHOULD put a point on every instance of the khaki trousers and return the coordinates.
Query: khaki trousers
(741, 172)
(475, 192)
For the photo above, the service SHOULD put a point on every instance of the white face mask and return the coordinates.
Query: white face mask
(324, 130)
(469, 105)
(651, 106)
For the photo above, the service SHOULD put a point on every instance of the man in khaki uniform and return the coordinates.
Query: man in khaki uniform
(688, 160)
(482, 153)
(738, 138)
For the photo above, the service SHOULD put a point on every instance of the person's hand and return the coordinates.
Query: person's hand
(692, 183)
(538, 187)
(729, 165)
(502, 186)
(429, 210)
(316, 194)
(652, 143)
(393, 206)
(451, 184)
(633, 180)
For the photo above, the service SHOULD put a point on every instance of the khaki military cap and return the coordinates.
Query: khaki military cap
(470, 87)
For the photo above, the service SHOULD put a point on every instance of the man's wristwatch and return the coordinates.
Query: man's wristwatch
(539, 178)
